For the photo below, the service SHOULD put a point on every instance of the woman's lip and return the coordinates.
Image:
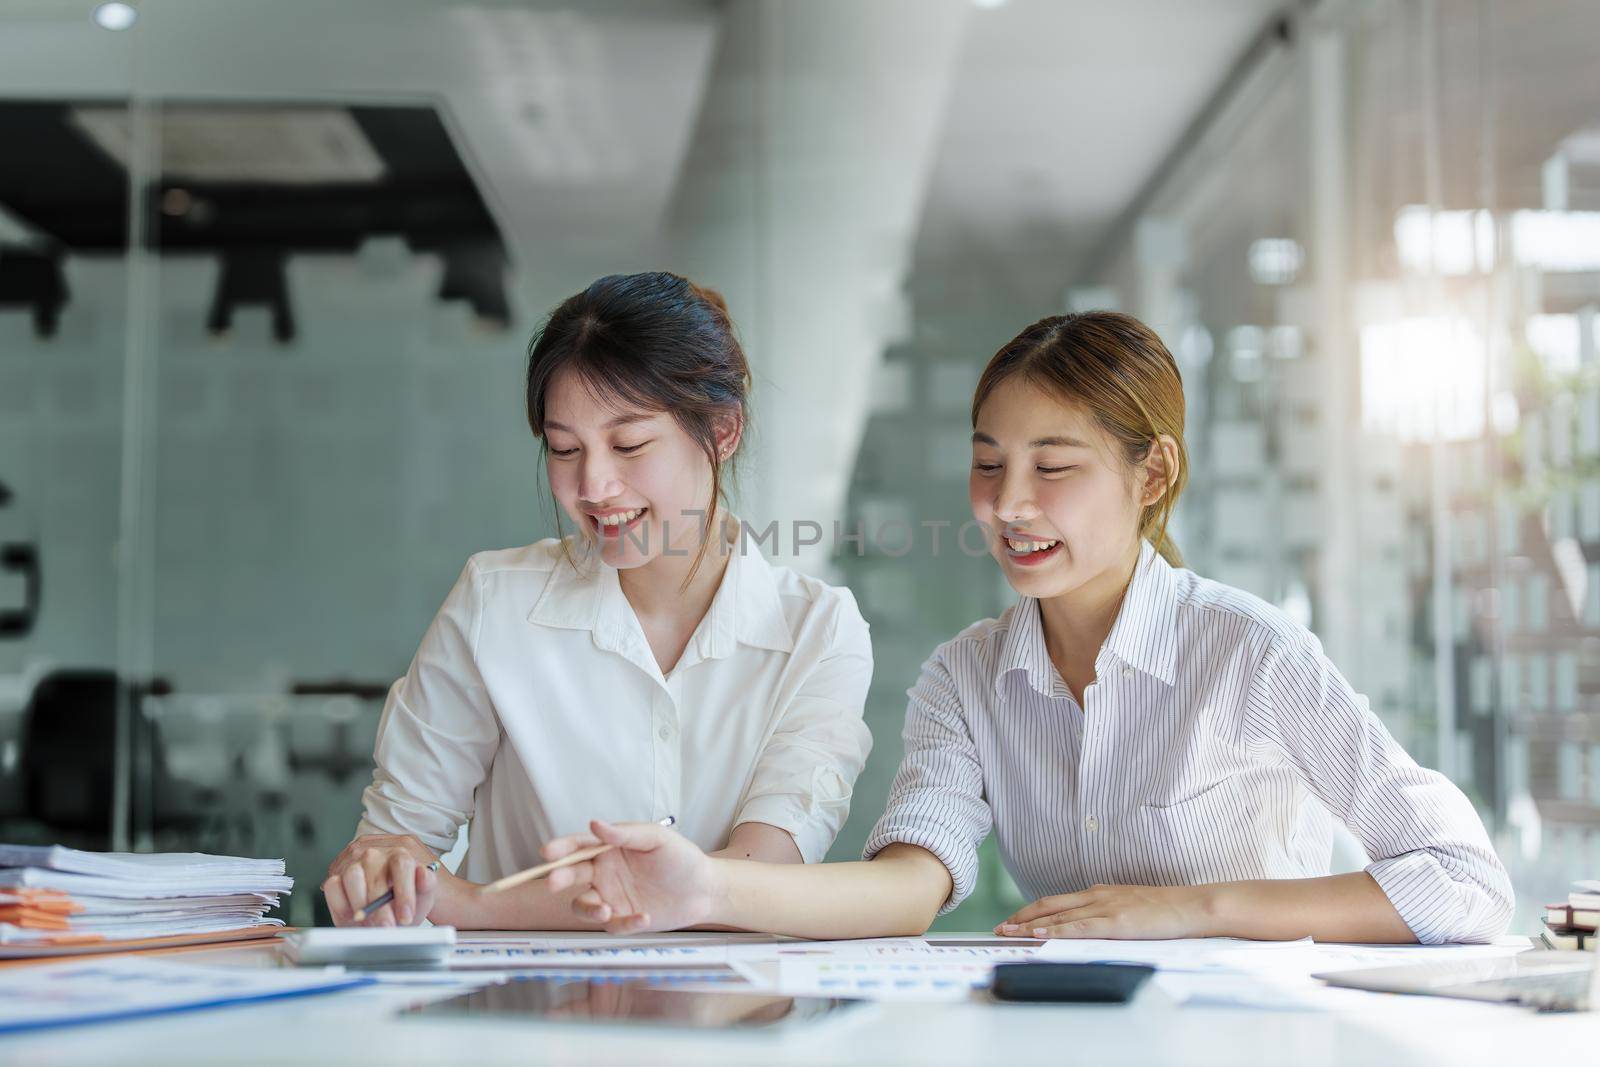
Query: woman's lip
(616, 529)
(1032, 559)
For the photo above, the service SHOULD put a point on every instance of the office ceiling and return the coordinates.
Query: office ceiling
(571, 120)
(1059, 112)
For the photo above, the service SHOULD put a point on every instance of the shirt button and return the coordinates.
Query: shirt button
(1127, 672)
(664, 733)
(1091, 824)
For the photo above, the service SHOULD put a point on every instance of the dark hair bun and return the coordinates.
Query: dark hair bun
(712, 297)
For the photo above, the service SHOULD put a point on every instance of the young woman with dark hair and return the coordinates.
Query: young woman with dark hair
(1159, 755)
(646, 665)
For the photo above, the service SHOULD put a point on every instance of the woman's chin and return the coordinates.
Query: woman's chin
(1046, 579)
(624, 555)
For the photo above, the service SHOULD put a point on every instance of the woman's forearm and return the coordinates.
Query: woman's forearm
(760, 841)
(532, 906)
(896, 894)
(466, 906)
(1340, 907)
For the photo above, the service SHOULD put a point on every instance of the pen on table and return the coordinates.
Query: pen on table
(543, 869)
(364, 913)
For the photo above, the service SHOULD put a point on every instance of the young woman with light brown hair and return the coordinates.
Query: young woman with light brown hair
(1159, 755)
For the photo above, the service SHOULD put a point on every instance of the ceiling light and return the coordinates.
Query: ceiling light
(1275, 260)
(1556, 241)
(115, 16)
(1446, 242)
(988, 5)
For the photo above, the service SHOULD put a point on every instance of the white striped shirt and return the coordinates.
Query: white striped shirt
(1216, 744)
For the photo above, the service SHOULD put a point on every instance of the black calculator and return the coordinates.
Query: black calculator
(1069, 983)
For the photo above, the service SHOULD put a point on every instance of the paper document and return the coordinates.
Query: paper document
(885, 968)
(128, 986)
(139, 866)
(910, 949)
(167, 884)
(1184, 954)
(1233, 972)
(130, 931)
(874, 979)
(1221, 990)
(509, 956)
(54, 898)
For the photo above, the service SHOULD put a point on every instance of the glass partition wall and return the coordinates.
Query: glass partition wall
(68, 413)
(1392, 392)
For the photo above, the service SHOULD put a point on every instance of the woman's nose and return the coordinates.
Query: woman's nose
(597, 480)
(1013, 502)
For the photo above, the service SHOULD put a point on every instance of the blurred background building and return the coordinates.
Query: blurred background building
(268, 270)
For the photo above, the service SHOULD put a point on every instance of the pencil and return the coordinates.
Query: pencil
(387, 895)
(534, 873)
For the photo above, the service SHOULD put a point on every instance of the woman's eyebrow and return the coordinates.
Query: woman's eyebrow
(620, 420)
(981, 438)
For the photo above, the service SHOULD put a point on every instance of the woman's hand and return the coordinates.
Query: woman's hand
(1133, 912)
(370, 865)
(653, 879)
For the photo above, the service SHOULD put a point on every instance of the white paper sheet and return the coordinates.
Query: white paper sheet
(513, 956)
(873, 979)
(139, 866)
(169, 885)
(24, 935)
(1274, 975)
(1222, 990)
(1184, 954)
(128, 986)
(987, 951)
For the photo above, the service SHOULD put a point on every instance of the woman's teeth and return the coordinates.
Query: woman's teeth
(620, 519)
(1030, 546)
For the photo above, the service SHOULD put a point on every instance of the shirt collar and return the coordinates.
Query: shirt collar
(1143, 637)
(757, 617)
(1023, 649)
(1145, 633)
(583, 593)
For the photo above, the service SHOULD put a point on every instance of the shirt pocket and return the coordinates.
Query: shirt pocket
(1209, 837)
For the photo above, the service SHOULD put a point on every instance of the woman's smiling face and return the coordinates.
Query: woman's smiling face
(1048, 483)
(630, 478)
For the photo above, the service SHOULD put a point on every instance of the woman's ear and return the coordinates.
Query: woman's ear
(1160, 470)
(729, 430)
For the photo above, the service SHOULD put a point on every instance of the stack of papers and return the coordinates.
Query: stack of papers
(52, 896)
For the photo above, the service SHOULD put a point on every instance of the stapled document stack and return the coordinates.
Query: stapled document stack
(55, 899)
(1571, 924)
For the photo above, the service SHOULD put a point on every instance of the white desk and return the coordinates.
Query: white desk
(359, 1027)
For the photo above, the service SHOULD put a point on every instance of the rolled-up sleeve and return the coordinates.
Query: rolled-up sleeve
(438, 733)
(807, 770)
(1433, 860)
(937, 800)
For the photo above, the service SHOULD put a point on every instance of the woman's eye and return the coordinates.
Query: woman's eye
(628, 450)
(563, 453)
(1056, 470)
(986, 468)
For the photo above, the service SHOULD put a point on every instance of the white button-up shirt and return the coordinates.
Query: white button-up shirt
(535, 704)
(1216, 744)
